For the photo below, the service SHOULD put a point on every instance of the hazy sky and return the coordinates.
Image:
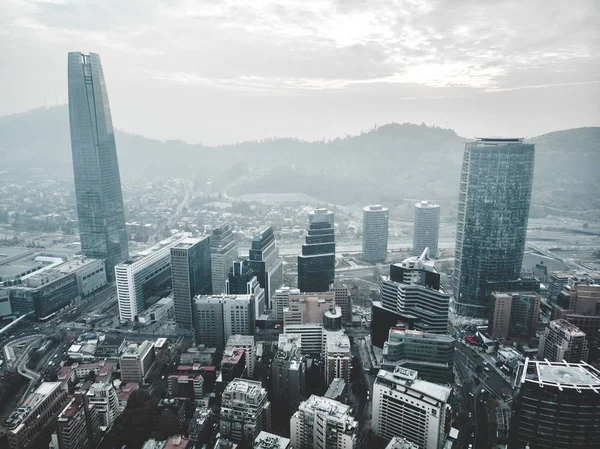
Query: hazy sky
(223, 71)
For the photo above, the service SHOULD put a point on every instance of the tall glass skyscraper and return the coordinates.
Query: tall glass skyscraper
(316, 263)
(493, 210)
(266, 263)
(100, 210)
(375, 233)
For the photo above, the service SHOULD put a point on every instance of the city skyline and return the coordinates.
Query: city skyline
(438, 63)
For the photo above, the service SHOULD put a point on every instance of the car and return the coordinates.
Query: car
(470, 414)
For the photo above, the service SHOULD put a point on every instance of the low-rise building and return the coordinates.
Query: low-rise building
(104, 397)
(156, 311)
(136, 361)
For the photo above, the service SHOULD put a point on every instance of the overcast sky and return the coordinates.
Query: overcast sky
(224, 71)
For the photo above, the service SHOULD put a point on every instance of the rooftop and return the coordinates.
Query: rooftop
(232, 356)
(334, 409)
(338, 343)
(176, 442)
(248, 387)
(336, 388)
(567, 328)
(426, 205)
(561, 375)
(375, 207)
(189, 242)
(266, 440)
(401, 443)
(30, 404)
(408, 378)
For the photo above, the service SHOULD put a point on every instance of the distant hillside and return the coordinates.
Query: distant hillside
(388, 164)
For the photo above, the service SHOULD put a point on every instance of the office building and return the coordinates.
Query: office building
(407, 407)
(281, 300)
(103, 397)
(337, 358)
(201, 354)
(32, 422)
(245, 411)
(247, 343)
(191, 275)
(414, 296)
(431, 355)
(189, 386)
(332, 319)
(375, 233)
(562, 341)
(78, 425)
(170, 416)
(224, 251)
(145, 274)
(233, 364)
(514, 315)
(266, 440)
(243, 281)
(493, 211)
(316, 263)
(100, 210)
(312, 336)
(322, 423)
(426, 228)
(266, 263)
(43, 293)
(305, 308)
(288, 371)
(221, 316)
(556, 405)
(557, 280)
(200, 428)
(90, 274)
(343, 300)
(136, 361)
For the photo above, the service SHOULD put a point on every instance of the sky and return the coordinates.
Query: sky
(218, 72)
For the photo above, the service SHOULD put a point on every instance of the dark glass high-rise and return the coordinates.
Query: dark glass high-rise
(100, 209)
(316, 263)
(493, 211)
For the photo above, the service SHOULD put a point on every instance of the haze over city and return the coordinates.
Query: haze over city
(223, 72)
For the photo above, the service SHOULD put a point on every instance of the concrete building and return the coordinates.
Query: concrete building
(245, 411)
(136, 361)
(332, 319)
(407, 407)
(311, 337)
(288, 371)
(266, 263)
(556, 405)
(426, 228)
(316, 262)
(157, 311)
(493, 211)
(375, 233)
(337, 390)
(201, 354)
(32, 422)
(322, 423)
(305, 308)
(100, 210)
(413, 294)
(90, 274)
(78, 425)
(242, 281)
(266, 440)
(200, 428)
(431, 355)
(401, 443)
(224, 251)
(281, 300)
(43, 292)
(247, 343)
(562, 341)
(220, 317)
(190, 386)
(191, 275)
(104, 398)
(343, 300)
(338, 358)
(233, 365)
(514, 315)
(138, 277)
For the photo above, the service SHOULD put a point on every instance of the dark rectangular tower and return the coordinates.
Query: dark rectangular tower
(316, 263)
(266, 263)
(100, 210)
(493, 210)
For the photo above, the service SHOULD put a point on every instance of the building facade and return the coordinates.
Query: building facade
(514, 315)
(100, 210)
(556, 405)
(406, 407)
(316, 263)
(562, 341)
(426, 228)
(136, 361)
(78, 425)
(431, 355)
(375, 233)
(493, 211)
(245, 411)
(305, 308)
(224, 251)
(322, 423)
(247, 343)
(137, 278)
(191, 275)
(343, 299)
(266, 263)
(288, 371)
(338, 358)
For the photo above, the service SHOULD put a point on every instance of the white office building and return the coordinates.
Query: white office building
(135, 275)
(427, 228)
(323, 423)
(375, 233)
(404, 406)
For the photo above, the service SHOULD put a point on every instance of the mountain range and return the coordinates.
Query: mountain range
(392, 164)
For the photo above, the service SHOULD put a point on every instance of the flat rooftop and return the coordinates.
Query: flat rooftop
(562, 375)
(249, 387)
(266, 440)
(333, 408)
(407, 378)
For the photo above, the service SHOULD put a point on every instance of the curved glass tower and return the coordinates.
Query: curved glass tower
(100, 210)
